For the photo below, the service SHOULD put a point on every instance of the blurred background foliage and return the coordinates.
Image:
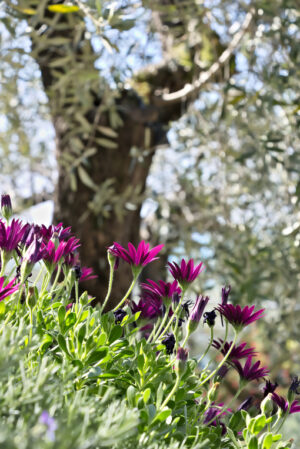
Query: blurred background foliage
(224, 183)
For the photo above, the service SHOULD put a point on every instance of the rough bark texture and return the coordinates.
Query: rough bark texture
(96, 233)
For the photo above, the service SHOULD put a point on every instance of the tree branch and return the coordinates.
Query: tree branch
(191, 89)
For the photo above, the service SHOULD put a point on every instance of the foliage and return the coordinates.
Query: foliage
(74, 376)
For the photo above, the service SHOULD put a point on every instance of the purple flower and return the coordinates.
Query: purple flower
(182, 354)
(269, 387)
(209, 318)
(54, 231)
(250, 372)
(50, 423)
(8, 289)
(294, 385)
(225, 294)
(135, 257)
(283, 404)
(239, 317)
(148, 307)
(87, 274)
(197, 312)
(119, 315)
(11, 236)
(161, 291)
(169, 342)
(6, 207)
(35, 251)
(186, 273)
(212, 414)
(238, 352)
(245, 404)
(53, 254)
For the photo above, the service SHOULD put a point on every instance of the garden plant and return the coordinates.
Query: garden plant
(77, 376)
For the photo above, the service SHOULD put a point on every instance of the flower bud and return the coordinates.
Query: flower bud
(196, 313)
(6, 207)
(267, 405)
(212, 393)
(181, 358)
(31, 298)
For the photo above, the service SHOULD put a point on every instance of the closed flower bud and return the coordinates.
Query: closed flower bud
(267, 405)
(181, 358)
(196, 313)
(212, 393)
(31, 298)
(6, 207)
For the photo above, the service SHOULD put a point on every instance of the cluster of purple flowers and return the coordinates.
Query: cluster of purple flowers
(31, 243)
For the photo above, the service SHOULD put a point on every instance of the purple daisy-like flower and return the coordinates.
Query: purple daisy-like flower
(283, 404)
(186, 273)
(239, 317)
(8, 289)
(11, 235)
(139, 257)
(162, 290)
(87, 274)
(225, 294)
(269, 387)
(55, 230)
(250, 372)
(148, 307)
(53, 254)
(238, 351)
(212, 415)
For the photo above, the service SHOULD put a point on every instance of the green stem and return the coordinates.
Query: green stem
(156, 335)
(56, 278)
(208, 346)
(171, 393)
(110, 282)
(222, 346)
(38, 276)
(175, 314)
(213, 373)
(186, 339)
(31, 324)
(226, 405)
(135, 276)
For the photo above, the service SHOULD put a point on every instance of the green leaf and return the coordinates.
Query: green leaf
(81, 333)
(146, 395)
(85, 178)
(102, 339)
(46, 342)
(63, 344)
(2, 308)
(108, 131)
(97, 355)
(268, 441)
(63, 9)
(236, 421)
(70, 320)
(259, 424)
(163, 415)
(140, 362)
(106, 143)
(61, 316)
(116, 333)
(131, 391)
(159, 395)
(253, 443)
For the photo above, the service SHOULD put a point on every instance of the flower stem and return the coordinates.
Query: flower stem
(208, 346)
(222, 346)
(171, 393)
(213, 373)
(156, 335)
(135, 276)
(110, 282)
(175, 314)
